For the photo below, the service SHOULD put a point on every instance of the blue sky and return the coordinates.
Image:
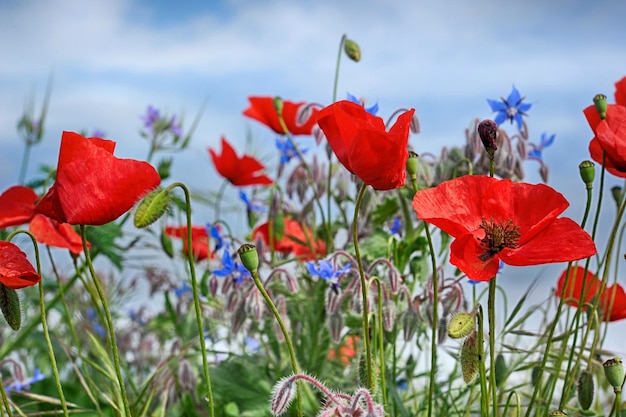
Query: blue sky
(110, 60)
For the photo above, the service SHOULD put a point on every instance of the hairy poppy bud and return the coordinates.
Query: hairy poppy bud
(10, 306)
(461, 325)
(151, 208)
(351, 48)
(469, 358)
(501, 369)
(249, 257)
(412, 165)
(488, 131)
(283, 393)
(166, 244)
(600, 102)
(557, 413)
(614, 372)
(587, 173)
(585, 390)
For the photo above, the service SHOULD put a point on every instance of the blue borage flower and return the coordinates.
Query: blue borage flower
(325, 270)
(233, 269)
(19, 386)
(213, 231)
(396, 226)
(371, 110)
(546, 141)
(250, 205)
(97, 327)
(287, 150)
(512, 108)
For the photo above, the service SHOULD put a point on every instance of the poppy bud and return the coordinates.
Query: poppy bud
(469, 358)
(351, 48)
(585, 390)
(587, 173)
(600, 102)
(278, 105)
(151, 208)
(488, 131)
(249, 257)
(534, 375)
(614, 372)
(616, 192)
(501, 369)
(166, 244)
(412, 165)
(461, 325)
(10, 306)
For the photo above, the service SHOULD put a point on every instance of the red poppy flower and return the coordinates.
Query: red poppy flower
(17, 206)
(346, 351)
(610, 137)
(493, 220)
(620, 92)
(92, 186)
(296, 240)
(262, 109)
(612, 296)
(364, 147)
(199, 240)
(239, 171)
(15, 269)
(52, 233)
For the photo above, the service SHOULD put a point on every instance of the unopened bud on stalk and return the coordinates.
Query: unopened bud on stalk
(412, 165)
(557, 413)
(249, 257)
(151, 208)
(469, 358)
(166, 244)
(600, 102)
(614, 372)
(278, 105)
(410, 322)
(585, 390)
(10, 306)
(616, 192)
(351, 48)
(501, 369)
(488, 131)
(587, 173)
(461, 325)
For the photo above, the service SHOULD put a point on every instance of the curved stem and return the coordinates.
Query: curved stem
(336, 82)
(196, 298)
(369, 383)
(109, 322)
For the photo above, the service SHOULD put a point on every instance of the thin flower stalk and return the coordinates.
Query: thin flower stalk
(381, 342)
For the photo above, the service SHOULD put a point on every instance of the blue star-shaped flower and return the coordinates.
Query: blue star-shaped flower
(214, 231)
(512, 108)
(232, 268)
(25, 384)
(325, 270)
(250, 205)
(371, 110)
(287, 150)
(545, 142)
(396, 226)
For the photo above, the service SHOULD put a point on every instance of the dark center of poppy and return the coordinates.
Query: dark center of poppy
(498, 235)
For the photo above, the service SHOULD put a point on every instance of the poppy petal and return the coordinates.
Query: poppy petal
(466, 253)
(59, 235)
(17, 206)
(16, 271)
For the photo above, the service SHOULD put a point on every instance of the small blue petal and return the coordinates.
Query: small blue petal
(524, 107)
(497, 105)
(352, 98)
(535, 153)
(514, 98)
(500, 118)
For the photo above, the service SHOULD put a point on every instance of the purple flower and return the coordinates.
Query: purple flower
(151, 117)
(98, 133)
(176, 128)
(233, 269)
(214, 232)
(512, 108)
(371, 110)
(546, 141)
(183, 289)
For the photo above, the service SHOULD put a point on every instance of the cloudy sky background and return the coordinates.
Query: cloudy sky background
(110, 60)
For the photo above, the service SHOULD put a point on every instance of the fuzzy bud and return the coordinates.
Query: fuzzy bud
(335, 324)
(600, 102)
(151, 208)
(10, 306)
(410, 322)
(412, 165)
(461, 325)
(283, 393)
(469, 358)
(614, 372)
(557, 413)
(166, 244)
(351, 48)
(585, 390)
(249, 257)
(389, 314)
(488, 131)
(587, 173)
(501, 369)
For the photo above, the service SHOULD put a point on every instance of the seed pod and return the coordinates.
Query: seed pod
(614, 372)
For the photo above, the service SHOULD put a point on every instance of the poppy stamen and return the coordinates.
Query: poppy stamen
(498, 235)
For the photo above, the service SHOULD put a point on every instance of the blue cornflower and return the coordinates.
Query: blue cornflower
(396, 226)
(214, 232)
(251, 206)
(97, 327)
(232, 268)
(287, 150)
(545, 142)
(325, 270)
(21, 385)
(512, 108)
(371, 110)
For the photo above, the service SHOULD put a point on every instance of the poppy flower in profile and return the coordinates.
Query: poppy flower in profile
(17, 206)
(362, 145)
(297, 240)
(92, 186)
(499, 220)
(199, 240)
(610, 137)
(620, 92)
(346, 351)
(16, 271)
(612, 303)
(298, 123)
(52, 233)
(240, 171)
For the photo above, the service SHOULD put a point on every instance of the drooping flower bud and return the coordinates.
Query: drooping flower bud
(167, 245)
(461, 325)
(614, 372)
(335, 325)
(616, 192)
(412, 165)
(585, 390)
(488, 131)
(469, 358)
(410, 323)
(10, 306)
(587, 173)
(283, 393)
(151, 208)
(600, 102)
(249, 257)
(501, 369)
(351, 48)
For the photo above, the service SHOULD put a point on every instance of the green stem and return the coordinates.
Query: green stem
(283, 328)
(369, 383)
(109, 322)
(491, 313)
(25, 158)
(218, 199)
(196, 298)
(339, 53)
(5, 400)
(482, 373)
(381, 343)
